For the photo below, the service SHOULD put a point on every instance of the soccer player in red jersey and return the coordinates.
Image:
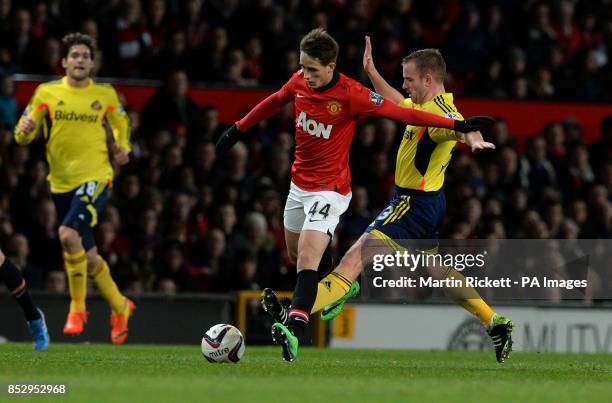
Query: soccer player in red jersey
(327, 105)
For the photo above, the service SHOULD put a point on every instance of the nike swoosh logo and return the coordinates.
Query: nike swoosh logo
(311, 220)
(299, 95)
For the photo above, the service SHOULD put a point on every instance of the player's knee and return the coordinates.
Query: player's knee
(307, 259)
(92, 262)
(68, 237)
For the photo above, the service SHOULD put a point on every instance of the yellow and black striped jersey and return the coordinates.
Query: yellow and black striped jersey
(73, 121)
(425, 152)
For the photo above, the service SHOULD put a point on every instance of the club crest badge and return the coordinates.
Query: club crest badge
(334, 107)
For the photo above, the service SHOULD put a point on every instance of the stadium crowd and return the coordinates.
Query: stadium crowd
(182, 220)
(558, 51)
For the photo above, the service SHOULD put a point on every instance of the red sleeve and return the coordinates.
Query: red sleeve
(368, 103)
(266, 108)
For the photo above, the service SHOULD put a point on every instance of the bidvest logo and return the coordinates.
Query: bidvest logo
(73, 116)
(313, 127)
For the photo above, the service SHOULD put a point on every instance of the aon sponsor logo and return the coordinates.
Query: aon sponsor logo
(313, 127)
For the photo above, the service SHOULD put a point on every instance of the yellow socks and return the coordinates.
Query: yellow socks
(107, 287)
(76, 268)
(469, 299)
(330, 289)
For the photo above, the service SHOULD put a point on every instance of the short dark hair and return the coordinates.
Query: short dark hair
(320, 45)
(428, 61)
(77, 38)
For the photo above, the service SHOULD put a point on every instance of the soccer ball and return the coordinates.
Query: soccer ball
(223, 343)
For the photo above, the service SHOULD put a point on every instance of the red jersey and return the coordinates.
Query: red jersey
(325, 121)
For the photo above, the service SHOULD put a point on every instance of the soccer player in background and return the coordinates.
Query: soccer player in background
(12, 278)
(327, 105)
(83, 125)
(418, 205)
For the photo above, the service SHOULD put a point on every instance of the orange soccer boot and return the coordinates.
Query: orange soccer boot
(119, 323)
(75, 323)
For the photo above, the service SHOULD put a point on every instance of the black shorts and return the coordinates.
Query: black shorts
(79, 209)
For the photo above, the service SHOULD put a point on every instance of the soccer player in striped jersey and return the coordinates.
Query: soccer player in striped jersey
(327, 105)
(14, 281)
(84, 128)
(418, 205)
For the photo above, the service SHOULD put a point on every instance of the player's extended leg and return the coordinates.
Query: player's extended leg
(314, 215)
(278, 309)
(122, 307)
(311, 246)
(76, 268)
(12, 278)
(499, 328)
(341, 284)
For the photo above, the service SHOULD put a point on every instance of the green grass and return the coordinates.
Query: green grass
(138, 373)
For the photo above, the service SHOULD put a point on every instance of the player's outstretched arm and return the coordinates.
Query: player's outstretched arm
(416, 117)
(380, 84)
(367, 103)
(266, 108)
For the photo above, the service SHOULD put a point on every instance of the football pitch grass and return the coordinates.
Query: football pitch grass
(152, 373)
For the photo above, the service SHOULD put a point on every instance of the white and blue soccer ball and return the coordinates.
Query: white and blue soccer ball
(223, 343)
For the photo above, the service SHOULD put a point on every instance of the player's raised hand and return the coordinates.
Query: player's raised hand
(368, 61)
(120, 156)
(27, 124)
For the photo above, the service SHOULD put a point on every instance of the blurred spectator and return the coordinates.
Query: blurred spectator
(8, 104)
(166, 286)
(21, 44)
(48, 61)
(5, 13)
(536, 168)
(235, 66)
(46, 247)
(18, 251)
(191, 20)
(211, 61)
(171, 109)
(158, 23)
(131, 39)
(171, 265)
(261, 245)
(56, 281)
(253, 68)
